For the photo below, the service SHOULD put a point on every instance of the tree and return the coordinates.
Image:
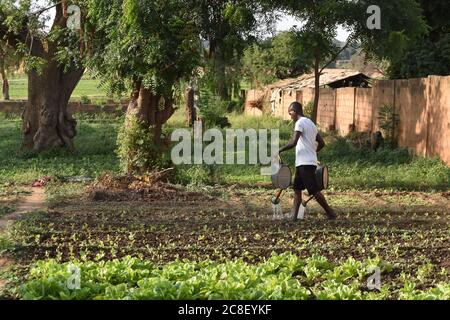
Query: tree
(54, 69)
(229, 26)
(280, 57)
(430, 53)
(5, 54)
(144, 47)
(322, 18)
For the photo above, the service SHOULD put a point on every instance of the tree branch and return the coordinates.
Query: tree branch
(349, 40)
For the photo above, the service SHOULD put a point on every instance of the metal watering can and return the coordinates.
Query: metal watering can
(282, 179)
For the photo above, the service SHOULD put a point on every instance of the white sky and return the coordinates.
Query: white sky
(289, 21)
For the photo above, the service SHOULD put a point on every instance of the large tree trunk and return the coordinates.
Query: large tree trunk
(46, 121)
(221, 76)
(152, 109)
(5, 84)
(5, 89)
(190, 108)
(316, 90)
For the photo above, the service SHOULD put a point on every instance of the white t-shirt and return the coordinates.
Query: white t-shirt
(306, 149)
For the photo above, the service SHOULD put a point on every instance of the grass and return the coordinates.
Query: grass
(350, 168)
(86, 87)
(95, 152)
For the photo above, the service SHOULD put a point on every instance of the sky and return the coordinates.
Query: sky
(288, 22)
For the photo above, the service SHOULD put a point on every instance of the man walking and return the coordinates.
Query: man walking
(304, 140)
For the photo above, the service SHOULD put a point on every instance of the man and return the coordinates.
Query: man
(304, 140)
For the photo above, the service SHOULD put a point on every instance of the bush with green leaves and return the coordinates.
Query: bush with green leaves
(136, 148)
(389, 120)
(85, 100)
(213, 109)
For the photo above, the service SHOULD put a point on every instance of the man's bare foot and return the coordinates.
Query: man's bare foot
(331, 215)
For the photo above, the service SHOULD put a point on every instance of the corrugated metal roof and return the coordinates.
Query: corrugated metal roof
(307, 80)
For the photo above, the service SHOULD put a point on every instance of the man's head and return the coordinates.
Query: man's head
(295, 110)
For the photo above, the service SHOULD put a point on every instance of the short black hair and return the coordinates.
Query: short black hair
(297, 107)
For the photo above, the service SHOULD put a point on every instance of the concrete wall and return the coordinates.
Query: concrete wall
(17, 107)
(423, 107)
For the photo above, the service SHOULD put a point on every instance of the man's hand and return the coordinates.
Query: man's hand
(292, 143)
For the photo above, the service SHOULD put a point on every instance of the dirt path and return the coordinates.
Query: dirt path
(33, 202)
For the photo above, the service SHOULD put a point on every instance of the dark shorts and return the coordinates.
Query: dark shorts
(305, 178)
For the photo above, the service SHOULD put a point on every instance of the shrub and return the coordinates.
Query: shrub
(85, 100)
(136, 148)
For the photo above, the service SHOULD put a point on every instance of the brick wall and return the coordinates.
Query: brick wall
(17, 107)
(345, 110)
(363, 109)
(423, 106)
(438, 96)
(411, 106)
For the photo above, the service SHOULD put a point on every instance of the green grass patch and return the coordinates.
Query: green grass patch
(5, 209)
(95, 152)
(86, 87)
(350, 168)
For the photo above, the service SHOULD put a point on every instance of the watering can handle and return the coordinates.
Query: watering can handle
(279, 158)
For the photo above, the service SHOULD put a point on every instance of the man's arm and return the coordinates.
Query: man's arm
(292, 143)
(321, 145)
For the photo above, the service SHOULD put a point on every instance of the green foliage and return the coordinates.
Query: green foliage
(136, 148)
(389, 120)
(95, 145)
(153, 41)
(213, 111)
(281, 277)
(308, 109)
(85, 100)
(283, 56)
(5, 210)
(430, 53)
(196, 175)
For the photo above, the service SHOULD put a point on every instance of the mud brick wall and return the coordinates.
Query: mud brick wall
(363, 109)
(438, 96)
(17, 107)
(305, 96)
(382, 93)
(288, 96)
(411, 106)
(345, 110)
(326, 113)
